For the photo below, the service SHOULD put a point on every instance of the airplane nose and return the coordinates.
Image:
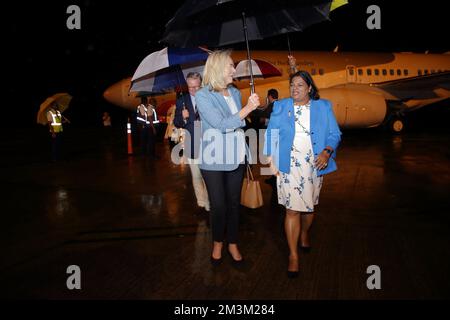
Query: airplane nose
(119, 94)
(113, 94)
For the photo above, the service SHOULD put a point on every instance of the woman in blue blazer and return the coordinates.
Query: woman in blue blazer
(301, 142)
(223, 149)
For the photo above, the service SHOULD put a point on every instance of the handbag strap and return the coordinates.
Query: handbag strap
(249, 173)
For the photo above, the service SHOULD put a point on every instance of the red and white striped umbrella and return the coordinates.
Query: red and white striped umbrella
(260, 68)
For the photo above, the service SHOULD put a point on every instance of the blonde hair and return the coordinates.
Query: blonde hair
(214, 68)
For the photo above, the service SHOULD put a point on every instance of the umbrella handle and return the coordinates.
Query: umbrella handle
(67, 120)
(289, 44)
(244, 25)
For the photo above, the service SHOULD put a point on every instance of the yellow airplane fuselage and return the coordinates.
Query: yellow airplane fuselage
(347, 79)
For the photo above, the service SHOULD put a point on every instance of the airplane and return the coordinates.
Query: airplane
(366, 89)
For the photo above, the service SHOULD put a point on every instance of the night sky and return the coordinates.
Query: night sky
(44, 57)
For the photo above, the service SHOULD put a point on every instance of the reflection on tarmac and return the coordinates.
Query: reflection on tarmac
(132, 225)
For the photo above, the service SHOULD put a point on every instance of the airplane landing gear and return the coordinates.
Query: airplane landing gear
(397, 125)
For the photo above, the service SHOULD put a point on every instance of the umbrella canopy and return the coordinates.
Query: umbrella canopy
(166, 69)
(260, 68)
(337, 3)
(219, 22)
(165, 80)
(60, 99)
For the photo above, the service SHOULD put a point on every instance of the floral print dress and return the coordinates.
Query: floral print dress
(299, 189)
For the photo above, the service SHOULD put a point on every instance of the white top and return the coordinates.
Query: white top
(302, 123)
(231, 104)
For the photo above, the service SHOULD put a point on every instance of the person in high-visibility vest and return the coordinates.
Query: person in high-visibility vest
(55, 121)
(146, 124)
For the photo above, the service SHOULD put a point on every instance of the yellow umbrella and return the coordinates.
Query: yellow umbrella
(61, 99)
(337, 3)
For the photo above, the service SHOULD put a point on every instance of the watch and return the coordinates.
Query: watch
(330, 152)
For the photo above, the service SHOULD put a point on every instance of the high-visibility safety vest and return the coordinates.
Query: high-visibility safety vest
(56, 121)
(139, 115)
(155, 116)
(144, 119)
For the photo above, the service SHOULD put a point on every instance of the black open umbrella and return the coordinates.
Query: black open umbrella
(217, 23)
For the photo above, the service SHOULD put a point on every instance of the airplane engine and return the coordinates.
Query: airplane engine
(355, 108)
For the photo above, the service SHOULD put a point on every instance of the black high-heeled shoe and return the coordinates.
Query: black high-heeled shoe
(305, 249)
(293, 274)
(215, 262)
(236, 262)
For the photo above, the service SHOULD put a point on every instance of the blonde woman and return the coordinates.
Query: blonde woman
(223, 150)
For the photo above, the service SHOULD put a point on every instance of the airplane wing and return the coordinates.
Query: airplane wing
(421, 87)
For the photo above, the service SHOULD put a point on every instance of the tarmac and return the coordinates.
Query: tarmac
(132, 226)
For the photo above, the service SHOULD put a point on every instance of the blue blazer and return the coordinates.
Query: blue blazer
(192, 145)
(217, 119)
(281, 131)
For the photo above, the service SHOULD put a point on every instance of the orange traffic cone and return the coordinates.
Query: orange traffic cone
(130, 142)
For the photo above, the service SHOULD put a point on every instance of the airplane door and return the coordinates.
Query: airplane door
(351, 73)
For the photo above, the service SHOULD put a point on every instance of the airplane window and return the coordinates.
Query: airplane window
(313, 72)
(377, 72)
(360, 72)
(391, 72)
(432, 71)
(426, 71)
(405, 72)
(351, 71)
(419, 72)
(399, 72)
(321, 72)
(384, 72)
(369, 72)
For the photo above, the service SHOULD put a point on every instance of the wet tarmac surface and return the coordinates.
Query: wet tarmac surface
(132, 225)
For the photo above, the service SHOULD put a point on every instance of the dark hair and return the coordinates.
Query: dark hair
(314, 93)
(273, 93)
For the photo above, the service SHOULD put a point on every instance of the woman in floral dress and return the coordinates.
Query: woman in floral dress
(301, 141)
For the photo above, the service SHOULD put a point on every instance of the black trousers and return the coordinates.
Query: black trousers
(56, 147)
(148, 140)
(224, 191)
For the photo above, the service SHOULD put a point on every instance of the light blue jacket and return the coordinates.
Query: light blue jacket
(217, 119)
(323, 126)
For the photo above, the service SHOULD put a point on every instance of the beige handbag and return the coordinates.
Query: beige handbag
(251, 195)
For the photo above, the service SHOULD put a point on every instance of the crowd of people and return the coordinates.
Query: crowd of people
(300, 142)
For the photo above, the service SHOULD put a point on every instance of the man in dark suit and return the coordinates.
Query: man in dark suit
(187, 117)
(272, 96)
